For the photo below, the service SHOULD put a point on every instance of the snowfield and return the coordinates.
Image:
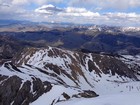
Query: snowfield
(55, 94)
(117, 99)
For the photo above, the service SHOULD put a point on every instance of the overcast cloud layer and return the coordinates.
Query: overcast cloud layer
(107, 12)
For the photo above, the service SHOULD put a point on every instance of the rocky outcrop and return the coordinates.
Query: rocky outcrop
(15, 91)
(86, 94)
(75, 61)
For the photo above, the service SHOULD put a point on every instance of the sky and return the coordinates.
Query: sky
(100, 12)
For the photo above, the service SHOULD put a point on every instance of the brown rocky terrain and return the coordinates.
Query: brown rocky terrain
(38, 71)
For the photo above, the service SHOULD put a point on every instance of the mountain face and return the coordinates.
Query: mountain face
(10, 46)
(58, 75)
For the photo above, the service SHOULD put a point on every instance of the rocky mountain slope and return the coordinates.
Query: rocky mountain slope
(10, 46)
(58, 75)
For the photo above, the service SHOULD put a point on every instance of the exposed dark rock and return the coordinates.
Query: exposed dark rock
(9, 90)
(14, 91)
(86, 94)
(66, 96)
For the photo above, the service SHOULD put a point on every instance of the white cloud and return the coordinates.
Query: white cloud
(114, 4)
(69, 11)
(16, 9)
(75, 10)
(25, 2)
(20, 2)
(41, 2)
(82, 15)
(98, 9)
(4, 5)
(123, 19)
(79, 12)
(12, 11)
(123, 15)
(48, 9)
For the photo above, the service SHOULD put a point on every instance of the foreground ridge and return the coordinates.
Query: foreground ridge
(37, 73)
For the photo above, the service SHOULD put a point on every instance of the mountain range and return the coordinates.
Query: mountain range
(68, 64)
